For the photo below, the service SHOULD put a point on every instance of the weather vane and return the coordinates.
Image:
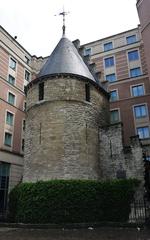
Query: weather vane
(63, 14)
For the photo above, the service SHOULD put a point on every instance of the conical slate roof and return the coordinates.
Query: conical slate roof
(65, 59)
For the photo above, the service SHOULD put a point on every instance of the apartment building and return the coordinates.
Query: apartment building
(15, 73)
(122, 64)
(143, 7)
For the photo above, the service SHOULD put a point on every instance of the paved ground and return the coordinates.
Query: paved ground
(75, 234)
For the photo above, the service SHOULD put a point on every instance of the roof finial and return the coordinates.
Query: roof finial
(64, 26)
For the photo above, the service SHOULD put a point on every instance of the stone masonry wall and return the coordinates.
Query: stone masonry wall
(62, 136)
(111, 151)
(116, 160)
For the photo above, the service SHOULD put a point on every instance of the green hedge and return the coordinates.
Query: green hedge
(71, 201)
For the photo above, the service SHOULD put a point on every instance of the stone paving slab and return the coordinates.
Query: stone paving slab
(102, 233)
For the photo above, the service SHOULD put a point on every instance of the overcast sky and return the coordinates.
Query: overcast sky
(38, 30)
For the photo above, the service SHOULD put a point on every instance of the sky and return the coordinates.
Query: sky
(38, 30)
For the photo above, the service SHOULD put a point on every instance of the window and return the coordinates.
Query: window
(8, 139)
(41, 91)
(22, 145)
(147, 158)
(27, 60)
(114, 116)
(11, 79)
(12, 64)
(25, 90)
(109, 62)
(9, 118)
(143, 132)
(4, 185)
(135, 72)
(133, 55)
(138, 90)
(11, 98)
(87, 92)
(108, 46)
(24, 106)
(27, 75)
(140, 111)
(113, 95)
(87, 51)
(111, 77)
(131, 39)
(23, 125)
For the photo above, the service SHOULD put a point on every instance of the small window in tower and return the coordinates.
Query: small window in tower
(87, 92)
(41, 91)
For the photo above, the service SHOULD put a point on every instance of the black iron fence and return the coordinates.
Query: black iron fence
(140, 211)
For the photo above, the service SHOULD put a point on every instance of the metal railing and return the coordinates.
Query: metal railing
(140, 211)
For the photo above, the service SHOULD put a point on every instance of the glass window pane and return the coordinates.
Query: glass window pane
(134, 55)
(114, 116)
(109, 62)
(140, 111)
(135, 72)
(113, 95)
(138, 90)
(12, 64)
(87, 51)
(135, 91)
(9, 118)
(8, 139)
(111, 77)
(11, 98)
(108, 46)
(11, 79)
(27, 75)
(131, 39)
(143, 132)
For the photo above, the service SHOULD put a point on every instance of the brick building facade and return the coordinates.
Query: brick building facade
(15, 73)
(121, 61)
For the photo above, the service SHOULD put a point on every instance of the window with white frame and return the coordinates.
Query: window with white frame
(8, 139)
(27, 76)
(143, 132)
(12, 63)
(27, 60)
(133, 55)
(140, 111)
(135, 72)
(87, 51)
(11, 79)
(9, 118)
(108, 46)
(138, 90)
(113, 95)
(131, 39)
(109, 62)
(111, 77)
(114, 116)
(11, 98)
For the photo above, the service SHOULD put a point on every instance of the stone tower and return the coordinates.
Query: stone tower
(65, 108)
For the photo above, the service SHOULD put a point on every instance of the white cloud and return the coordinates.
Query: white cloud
(38, 30)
